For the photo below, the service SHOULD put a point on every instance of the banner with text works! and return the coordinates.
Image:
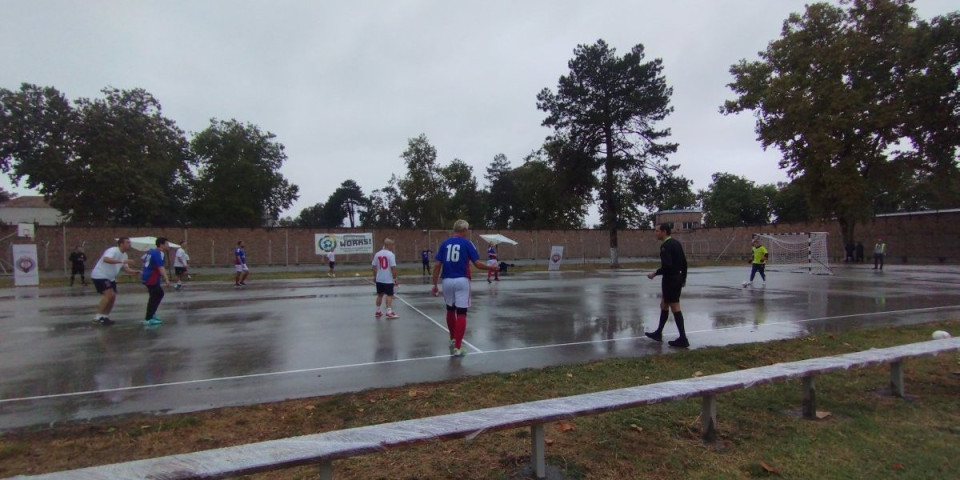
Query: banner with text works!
(25, 272)
(343, 243)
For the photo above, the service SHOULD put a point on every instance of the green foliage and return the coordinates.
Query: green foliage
(500, 194)
(421, 190)
(238, 182)
(606, 110)
(344, 203)
(789, 203)
(732, 200)
(113, 160)
(309, 217)
(840, 94)
(464, 200)
(383, 211)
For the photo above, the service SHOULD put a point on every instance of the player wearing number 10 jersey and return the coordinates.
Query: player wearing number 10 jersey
(385, 276)
(453, 260)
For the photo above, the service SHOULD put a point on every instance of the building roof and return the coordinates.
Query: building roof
(686, 210)
(26, 201)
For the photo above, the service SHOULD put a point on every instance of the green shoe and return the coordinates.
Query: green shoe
(458, 352)
(153, 321)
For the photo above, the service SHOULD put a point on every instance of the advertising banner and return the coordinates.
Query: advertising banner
(556, 255)
(343, 243)
(25, 273)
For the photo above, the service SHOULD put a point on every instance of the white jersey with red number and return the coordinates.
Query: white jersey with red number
(384, 260)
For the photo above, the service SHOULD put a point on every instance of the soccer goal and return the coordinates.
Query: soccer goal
(799, 252)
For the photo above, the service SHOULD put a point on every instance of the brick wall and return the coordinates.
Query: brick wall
(917, 238)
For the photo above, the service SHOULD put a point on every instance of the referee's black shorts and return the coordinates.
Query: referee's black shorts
(672, 285)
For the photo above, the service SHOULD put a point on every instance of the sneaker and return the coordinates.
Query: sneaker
(746, 284)
(453, 343)
(153, 321)
(177, 286)
(243, 284)
(378, 314)
(458, 352)
(236, 285)
(392, 315)
(681, 342)
(654, 336)
(488, 280)
(104, 321)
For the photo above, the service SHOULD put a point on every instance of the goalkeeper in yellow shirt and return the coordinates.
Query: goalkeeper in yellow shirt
(758, 262)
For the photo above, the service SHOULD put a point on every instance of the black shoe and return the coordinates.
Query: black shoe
(243, 284)
(679, 343)
(105, 321)
(654, 336)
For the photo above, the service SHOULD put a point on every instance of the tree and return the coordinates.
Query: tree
(542, 199)
(421, 190)
(238, 182)
(606, 109)
(113, 160)
(789, 203)
(842, 90)
(384, 207)
(310, 217)
(6, 196)
(500, 193)
(345, 202)
(463, 197)
(732, 201)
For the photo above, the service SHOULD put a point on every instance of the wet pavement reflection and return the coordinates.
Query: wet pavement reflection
(277, 340)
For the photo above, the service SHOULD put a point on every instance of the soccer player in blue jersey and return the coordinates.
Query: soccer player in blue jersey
(153, 271)
(453, 260)
(240, 265)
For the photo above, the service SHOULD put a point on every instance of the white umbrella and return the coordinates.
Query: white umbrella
(146, 243)
(496, 239)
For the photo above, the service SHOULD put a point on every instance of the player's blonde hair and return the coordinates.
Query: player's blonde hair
(387, 242)
(461, 226)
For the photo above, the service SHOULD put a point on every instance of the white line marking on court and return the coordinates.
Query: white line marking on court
(443, 327)
(403, 360)
(428, 317)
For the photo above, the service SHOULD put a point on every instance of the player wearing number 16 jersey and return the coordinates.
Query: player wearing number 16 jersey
(453, 260)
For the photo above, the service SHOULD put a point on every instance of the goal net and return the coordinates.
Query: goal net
(799, 252)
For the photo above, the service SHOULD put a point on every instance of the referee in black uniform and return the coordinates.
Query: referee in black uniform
(674, 271)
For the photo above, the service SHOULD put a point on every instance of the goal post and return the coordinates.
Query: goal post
(800, 252)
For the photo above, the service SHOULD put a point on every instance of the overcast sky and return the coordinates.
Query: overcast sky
(344, 85)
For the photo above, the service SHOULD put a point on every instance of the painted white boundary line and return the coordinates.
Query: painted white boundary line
(403, 360)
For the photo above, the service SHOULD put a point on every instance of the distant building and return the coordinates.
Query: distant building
(29, 209)
(682, 220)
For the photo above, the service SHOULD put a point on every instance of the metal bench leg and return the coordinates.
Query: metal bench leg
(326, 470)
(708, 418)
(809, 398)
(538, 457)
(896, 378)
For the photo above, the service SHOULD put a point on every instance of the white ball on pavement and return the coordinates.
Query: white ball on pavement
(940, 335)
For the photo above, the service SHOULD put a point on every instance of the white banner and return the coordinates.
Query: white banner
(343, 243)
(556, 256)
(25, 273)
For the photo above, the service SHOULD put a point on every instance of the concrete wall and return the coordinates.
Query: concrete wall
(916, 238)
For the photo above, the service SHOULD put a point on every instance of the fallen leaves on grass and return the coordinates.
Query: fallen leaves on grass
(769, 469)
(564, 426)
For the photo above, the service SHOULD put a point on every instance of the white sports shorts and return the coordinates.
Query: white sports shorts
(242, 268)
(456, 292)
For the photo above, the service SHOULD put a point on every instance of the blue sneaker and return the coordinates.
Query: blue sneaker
(153, 321)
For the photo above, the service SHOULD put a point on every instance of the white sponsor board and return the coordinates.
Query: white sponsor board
(25, 272)
(343, 243)
(556, 256)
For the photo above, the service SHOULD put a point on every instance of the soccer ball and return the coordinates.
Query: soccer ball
(940, 335)
(356, 274)
(745, 284)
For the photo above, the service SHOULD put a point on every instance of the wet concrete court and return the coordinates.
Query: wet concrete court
(277, 340)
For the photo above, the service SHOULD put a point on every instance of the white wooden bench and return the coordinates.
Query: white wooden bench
(323, 448)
